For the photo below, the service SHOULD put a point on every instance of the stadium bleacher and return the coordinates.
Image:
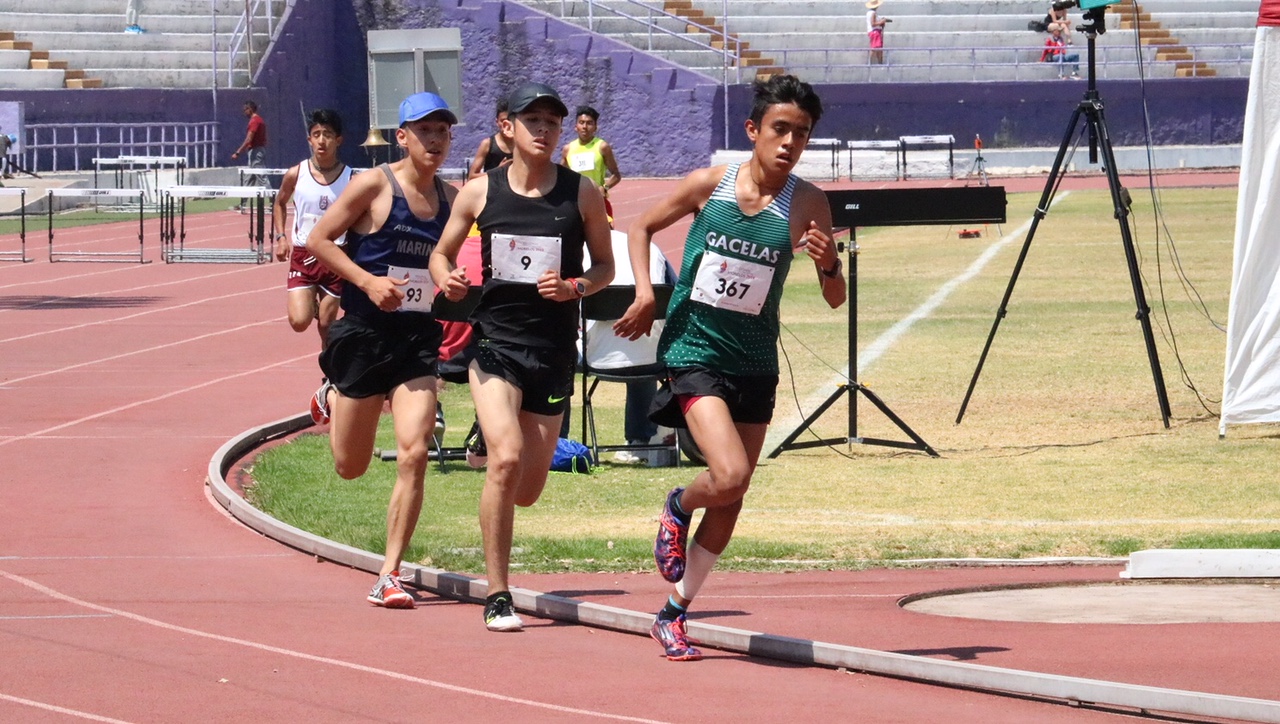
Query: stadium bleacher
(930, 40)
(84, 43)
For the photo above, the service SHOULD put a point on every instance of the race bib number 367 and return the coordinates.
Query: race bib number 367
(419, 292)
(524, 258)
(734, 284)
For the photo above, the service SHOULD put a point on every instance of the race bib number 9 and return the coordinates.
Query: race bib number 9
(524, 258)
(734, 284)
(420, 291)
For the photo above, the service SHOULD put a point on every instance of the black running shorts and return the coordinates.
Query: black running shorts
(750, 399)
(367, 356)
(543, 374)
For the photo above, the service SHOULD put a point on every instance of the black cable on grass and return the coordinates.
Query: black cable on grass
(1189, 288)
(795, 393)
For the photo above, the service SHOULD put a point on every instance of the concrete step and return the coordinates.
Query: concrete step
(154, 78)
(122, 59)
(114, 22)
(149, 7)
(194, 42)
(31, 79)
(15, 59)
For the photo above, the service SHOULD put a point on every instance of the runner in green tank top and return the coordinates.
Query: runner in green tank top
(719, 343)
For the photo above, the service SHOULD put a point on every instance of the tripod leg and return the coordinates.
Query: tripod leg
(1098, 129)
(1041, 210)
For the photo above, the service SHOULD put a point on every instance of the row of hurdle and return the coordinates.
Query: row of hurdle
(170, 203)
(871, 159)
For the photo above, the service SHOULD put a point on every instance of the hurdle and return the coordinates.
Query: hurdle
(173, 225)
(96, 256)
(21, 253)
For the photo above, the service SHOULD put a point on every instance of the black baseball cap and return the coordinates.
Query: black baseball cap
(524, 96)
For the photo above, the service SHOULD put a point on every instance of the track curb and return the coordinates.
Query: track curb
(1066, 689)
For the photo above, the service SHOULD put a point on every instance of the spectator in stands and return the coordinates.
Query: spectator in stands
(875, 31)
(495, 150)
(1058, 20)
(131, 17)
(255, 142)
(591, 155)
(1055, 52)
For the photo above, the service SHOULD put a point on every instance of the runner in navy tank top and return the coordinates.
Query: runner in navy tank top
(534, 218)
(387, 342)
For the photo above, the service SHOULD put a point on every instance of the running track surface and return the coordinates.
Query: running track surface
(125, 595)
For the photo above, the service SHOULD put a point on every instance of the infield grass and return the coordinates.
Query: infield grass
(1061, 452)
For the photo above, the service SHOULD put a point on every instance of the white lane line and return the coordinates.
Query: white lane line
(811, 595)
(872, 353)
(69, 615)
(891, 335)
(194, 277)
(252, 555)
(157, 398)
(9, 383)
(135, 315)
(60, 709)
(317, 659)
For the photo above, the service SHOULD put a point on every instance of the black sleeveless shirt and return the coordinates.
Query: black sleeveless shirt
(514, 311)
(495, 156)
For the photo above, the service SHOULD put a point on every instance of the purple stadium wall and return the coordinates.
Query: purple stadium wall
(662, 121)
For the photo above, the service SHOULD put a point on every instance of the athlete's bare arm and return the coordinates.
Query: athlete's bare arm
(689, 197)
(477, 161)
(811, 228)
(280, 212)
(615, 176)
(363, 206)
(453, 280)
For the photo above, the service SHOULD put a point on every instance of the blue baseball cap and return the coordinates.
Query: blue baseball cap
(421, 105)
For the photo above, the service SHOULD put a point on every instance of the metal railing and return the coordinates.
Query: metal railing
(831, 65)
(243, 36)
(646, 18)
(73, 146)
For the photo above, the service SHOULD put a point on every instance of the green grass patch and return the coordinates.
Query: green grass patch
(1062, 451)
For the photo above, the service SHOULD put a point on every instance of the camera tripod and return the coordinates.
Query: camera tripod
(1089, 112)
(979, 166)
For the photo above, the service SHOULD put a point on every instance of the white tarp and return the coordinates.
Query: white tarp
(1251, 377)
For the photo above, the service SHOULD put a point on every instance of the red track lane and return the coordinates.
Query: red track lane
(126, 595)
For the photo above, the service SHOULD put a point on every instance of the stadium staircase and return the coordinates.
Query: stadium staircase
(928, 40)
(82, 43)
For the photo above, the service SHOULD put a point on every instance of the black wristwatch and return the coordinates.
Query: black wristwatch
(834, 271)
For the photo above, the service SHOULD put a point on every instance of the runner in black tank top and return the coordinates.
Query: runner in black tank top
(534, 218)
(386, 345)
(513, 311)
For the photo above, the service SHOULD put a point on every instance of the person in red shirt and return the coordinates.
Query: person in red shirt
(1055, 52)
(255, 142)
